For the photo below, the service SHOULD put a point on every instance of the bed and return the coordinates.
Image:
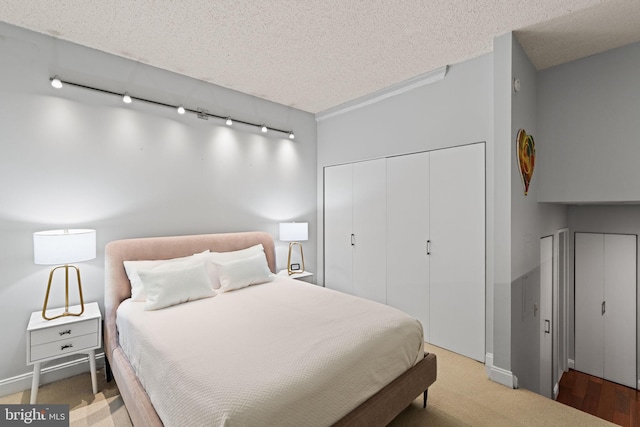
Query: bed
(362, 394)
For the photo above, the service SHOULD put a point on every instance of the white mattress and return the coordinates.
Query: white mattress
(284, 353)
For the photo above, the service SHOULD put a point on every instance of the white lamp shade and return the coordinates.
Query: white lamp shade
(55, 247)
(294, 231)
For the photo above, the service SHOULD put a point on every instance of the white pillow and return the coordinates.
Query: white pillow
(171, 286)
(244, 272)
(224, 257)
(137, 290)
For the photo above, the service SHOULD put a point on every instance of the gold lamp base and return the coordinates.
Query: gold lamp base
(66, 293)
(289, 270)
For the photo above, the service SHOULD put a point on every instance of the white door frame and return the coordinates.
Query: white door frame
(547, 321)
(560, 306)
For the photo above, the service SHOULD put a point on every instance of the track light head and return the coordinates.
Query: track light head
(56, 82)
(263, 129)
(126, 98)
(291, 135)
(181, 110)
(229, 122)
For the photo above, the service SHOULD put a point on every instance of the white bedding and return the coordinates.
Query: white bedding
(284, 353)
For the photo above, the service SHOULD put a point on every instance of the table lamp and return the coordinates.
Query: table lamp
(294, 233)
(55, 247)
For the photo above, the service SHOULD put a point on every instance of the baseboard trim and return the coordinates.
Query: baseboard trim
(488, 363)
(504, 377)
(556, 390)
(572, 364)
(49, 374)
(499, 375)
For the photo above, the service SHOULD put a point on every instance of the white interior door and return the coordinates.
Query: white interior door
(457, 260)
(369, 229)
(338, 220)
(546, 316)
(589, 296)
(620, 309)
(407, 235)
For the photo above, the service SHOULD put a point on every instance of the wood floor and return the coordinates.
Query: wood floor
(604, 399)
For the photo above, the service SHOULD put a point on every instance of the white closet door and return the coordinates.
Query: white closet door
(589, 295)
(407, 235)
(338, 218)
(620, 309)
(369, 225)
(457, 260)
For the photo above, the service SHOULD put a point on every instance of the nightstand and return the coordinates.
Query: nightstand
(305, 276)
(64, 336)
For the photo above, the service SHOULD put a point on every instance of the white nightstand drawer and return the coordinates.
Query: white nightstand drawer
(62, 347)
(64, 332)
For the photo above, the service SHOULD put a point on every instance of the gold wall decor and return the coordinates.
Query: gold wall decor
(526, 152)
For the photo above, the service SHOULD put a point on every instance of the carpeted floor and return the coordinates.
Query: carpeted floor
(105, 409)
(461, 396)
(464, 396)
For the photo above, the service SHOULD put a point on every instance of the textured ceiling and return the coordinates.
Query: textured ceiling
(317, 54)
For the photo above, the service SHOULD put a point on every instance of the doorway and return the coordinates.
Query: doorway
(554, 342)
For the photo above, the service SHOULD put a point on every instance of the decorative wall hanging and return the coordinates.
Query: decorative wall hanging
(526, 150)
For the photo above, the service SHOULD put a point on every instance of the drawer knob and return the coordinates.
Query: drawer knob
(67, 332)
(64, 347)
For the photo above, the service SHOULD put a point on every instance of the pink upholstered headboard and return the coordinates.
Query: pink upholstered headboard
(117, 286)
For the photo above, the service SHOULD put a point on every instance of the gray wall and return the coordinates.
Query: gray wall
(519, 222)
(75, 158)
(503, 158)
(530, 221)
(454, 111)
(589, 117)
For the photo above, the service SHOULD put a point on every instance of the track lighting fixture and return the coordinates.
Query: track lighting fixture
(202, 114)
(57, 83)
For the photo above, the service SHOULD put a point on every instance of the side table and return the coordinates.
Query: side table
(305, 276)
(64, 336)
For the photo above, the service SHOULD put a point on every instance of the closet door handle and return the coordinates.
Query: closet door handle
(604, 307)
(353, 239)
(547, 326)
(428, 247)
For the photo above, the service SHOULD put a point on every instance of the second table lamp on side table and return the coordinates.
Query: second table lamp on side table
(294, 233)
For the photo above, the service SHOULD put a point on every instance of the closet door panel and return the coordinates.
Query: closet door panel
(620, 315)
(457, 260)
(369, 225)
(407, 235)
(589, 295)
(338, 218)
